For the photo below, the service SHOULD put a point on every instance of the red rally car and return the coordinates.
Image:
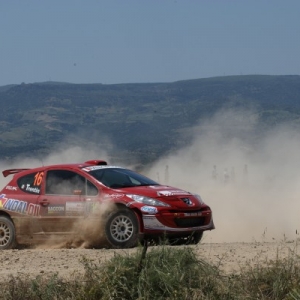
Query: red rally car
(50, 201)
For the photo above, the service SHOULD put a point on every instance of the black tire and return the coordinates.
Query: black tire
(193, 239)
(7, 234)
(121, 229)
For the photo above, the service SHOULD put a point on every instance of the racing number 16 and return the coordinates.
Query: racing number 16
(38, 178)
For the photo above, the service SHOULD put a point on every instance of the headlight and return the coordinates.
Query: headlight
(199, 199)
(147, 200)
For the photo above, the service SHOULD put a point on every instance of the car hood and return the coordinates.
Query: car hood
(156, 191)
(177, 198)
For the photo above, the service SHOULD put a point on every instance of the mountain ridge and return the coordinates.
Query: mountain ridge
(145, 120)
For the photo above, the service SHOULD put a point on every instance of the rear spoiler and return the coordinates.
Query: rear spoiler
(12, 171)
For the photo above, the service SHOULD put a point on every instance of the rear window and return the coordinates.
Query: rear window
(31, 183)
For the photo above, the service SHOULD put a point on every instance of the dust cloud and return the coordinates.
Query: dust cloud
(248, 177)
(64, 153)
(253, 189)
(88, 231)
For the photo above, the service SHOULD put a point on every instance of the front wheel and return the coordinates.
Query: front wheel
(121, 229)
(7, 234)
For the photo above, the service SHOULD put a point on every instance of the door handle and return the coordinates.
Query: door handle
(44, 202)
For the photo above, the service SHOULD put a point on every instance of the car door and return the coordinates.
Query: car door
(63, 201)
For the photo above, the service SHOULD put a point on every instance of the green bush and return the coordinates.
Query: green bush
(276, 279)
(165, 273)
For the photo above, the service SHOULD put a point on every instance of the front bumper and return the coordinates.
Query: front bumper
(152, 223)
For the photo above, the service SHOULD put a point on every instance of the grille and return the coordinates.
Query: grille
(189, 222)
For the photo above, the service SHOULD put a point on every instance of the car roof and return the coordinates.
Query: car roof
(71, 165)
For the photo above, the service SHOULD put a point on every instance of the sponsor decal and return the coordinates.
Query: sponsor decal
(92, 168)
(30, 189)
(113, 196)
(151, 223)
(171, 193)
(56, 210)
(11, 188)
(193, 214)
(155, 186)
(19, 206)
(149, 209)
(38, 178)
(75, 208)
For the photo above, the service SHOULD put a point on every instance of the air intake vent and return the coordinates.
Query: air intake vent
(96, 162)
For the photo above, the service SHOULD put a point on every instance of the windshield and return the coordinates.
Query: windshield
(120, 178)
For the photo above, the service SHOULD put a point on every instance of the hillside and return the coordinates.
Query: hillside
(141, 120)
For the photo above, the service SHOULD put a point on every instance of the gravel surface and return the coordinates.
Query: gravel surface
(231, 257)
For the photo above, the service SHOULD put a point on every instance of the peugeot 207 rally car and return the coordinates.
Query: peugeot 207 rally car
(48, 202)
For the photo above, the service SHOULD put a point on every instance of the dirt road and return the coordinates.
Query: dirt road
(229, 256)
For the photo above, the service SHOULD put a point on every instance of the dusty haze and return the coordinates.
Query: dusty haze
(260, 199)
(260, 203)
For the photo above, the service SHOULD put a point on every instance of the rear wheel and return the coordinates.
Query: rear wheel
(7, 234)
(121, 229)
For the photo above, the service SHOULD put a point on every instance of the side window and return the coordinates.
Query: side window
(31, 183)
(64, 182)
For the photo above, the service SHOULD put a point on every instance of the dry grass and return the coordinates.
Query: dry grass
(164, 273)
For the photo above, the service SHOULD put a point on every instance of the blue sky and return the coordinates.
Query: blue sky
(132, 41)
